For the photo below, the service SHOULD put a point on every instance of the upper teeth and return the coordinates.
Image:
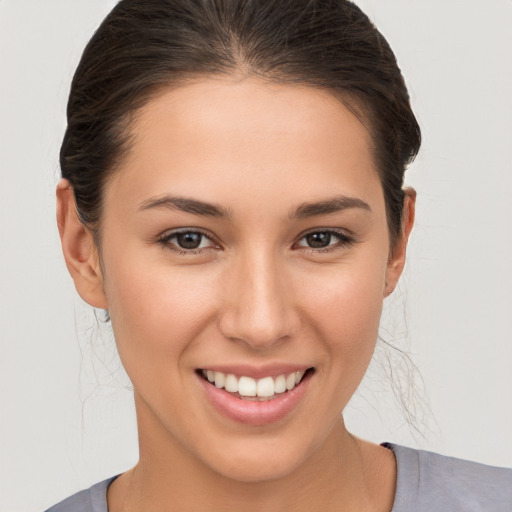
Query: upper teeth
(247, 386)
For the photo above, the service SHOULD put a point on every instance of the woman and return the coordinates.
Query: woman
(232, 194)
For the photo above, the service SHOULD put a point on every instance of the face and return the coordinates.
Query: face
(245, 235)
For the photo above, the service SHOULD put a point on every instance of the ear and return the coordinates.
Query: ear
(79, 249)
(396, 260)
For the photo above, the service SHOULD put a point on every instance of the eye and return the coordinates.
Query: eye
(325, 240)
(186, 241)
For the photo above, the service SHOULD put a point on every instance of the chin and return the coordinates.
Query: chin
(259, 460)
(257, 469)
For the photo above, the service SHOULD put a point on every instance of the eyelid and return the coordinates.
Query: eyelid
(345, 238)
(337, 231)
(166, 236)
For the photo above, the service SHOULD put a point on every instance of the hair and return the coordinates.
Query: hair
(144, 46)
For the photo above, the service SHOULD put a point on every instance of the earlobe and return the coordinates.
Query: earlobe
(79, 248)
(397, 258)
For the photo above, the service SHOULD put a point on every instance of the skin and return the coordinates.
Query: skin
(256, 293)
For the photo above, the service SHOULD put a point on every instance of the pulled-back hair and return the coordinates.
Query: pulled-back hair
(143, 46)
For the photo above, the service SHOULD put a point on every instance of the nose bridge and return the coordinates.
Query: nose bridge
(259, 310)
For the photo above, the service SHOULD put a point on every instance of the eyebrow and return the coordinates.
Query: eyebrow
(304, 210)
(185, 204)
(328, 206)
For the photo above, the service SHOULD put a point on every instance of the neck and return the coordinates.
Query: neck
(343, 474)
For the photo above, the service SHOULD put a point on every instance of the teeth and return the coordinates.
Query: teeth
(247, 386)
(231, 384)
(219, 379)
(280, 384)
(290, 381)
(265, 387)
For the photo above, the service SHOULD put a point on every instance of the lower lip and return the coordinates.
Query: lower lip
(255, 412)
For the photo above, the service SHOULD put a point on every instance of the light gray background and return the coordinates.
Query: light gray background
(67, 421)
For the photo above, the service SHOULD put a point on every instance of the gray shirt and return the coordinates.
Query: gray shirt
(426, 482)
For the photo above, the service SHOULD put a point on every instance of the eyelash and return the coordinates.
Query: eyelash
(165, 241)
(344, 240)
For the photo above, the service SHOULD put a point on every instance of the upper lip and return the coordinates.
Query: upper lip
(257, 371)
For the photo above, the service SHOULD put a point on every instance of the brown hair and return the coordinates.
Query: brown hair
(145, 45)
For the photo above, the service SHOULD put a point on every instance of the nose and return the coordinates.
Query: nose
(258, 301)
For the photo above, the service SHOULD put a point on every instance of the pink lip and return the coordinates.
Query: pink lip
(254, 412)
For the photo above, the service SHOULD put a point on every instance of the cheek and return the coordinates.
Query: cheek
(350, 311)
(351, 295)
(345, 307)
(156, 310)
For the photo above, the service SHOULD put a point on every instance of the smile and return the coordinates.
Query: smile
(248, 388)
(266, 397)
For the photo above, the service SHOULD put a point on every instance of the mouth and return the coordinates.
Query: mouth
(257, 390)
(261, 398)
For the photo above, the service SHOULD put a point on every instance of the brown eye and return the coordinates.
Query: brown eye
(327, 239)
(186, 241)
(189, 240)
(319, 239)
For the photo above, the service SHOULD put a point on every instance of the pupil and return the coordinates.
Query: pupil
(321, 239)
(189, 240)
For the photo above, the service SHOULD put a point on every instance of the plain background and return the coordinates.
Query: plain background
(66, 419)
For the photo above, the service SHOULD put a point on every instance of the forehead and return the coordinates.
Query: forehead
(244, 139)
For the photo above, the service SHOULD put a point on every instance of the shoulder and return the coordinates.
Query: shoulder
(429, 481)
(93, 499)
